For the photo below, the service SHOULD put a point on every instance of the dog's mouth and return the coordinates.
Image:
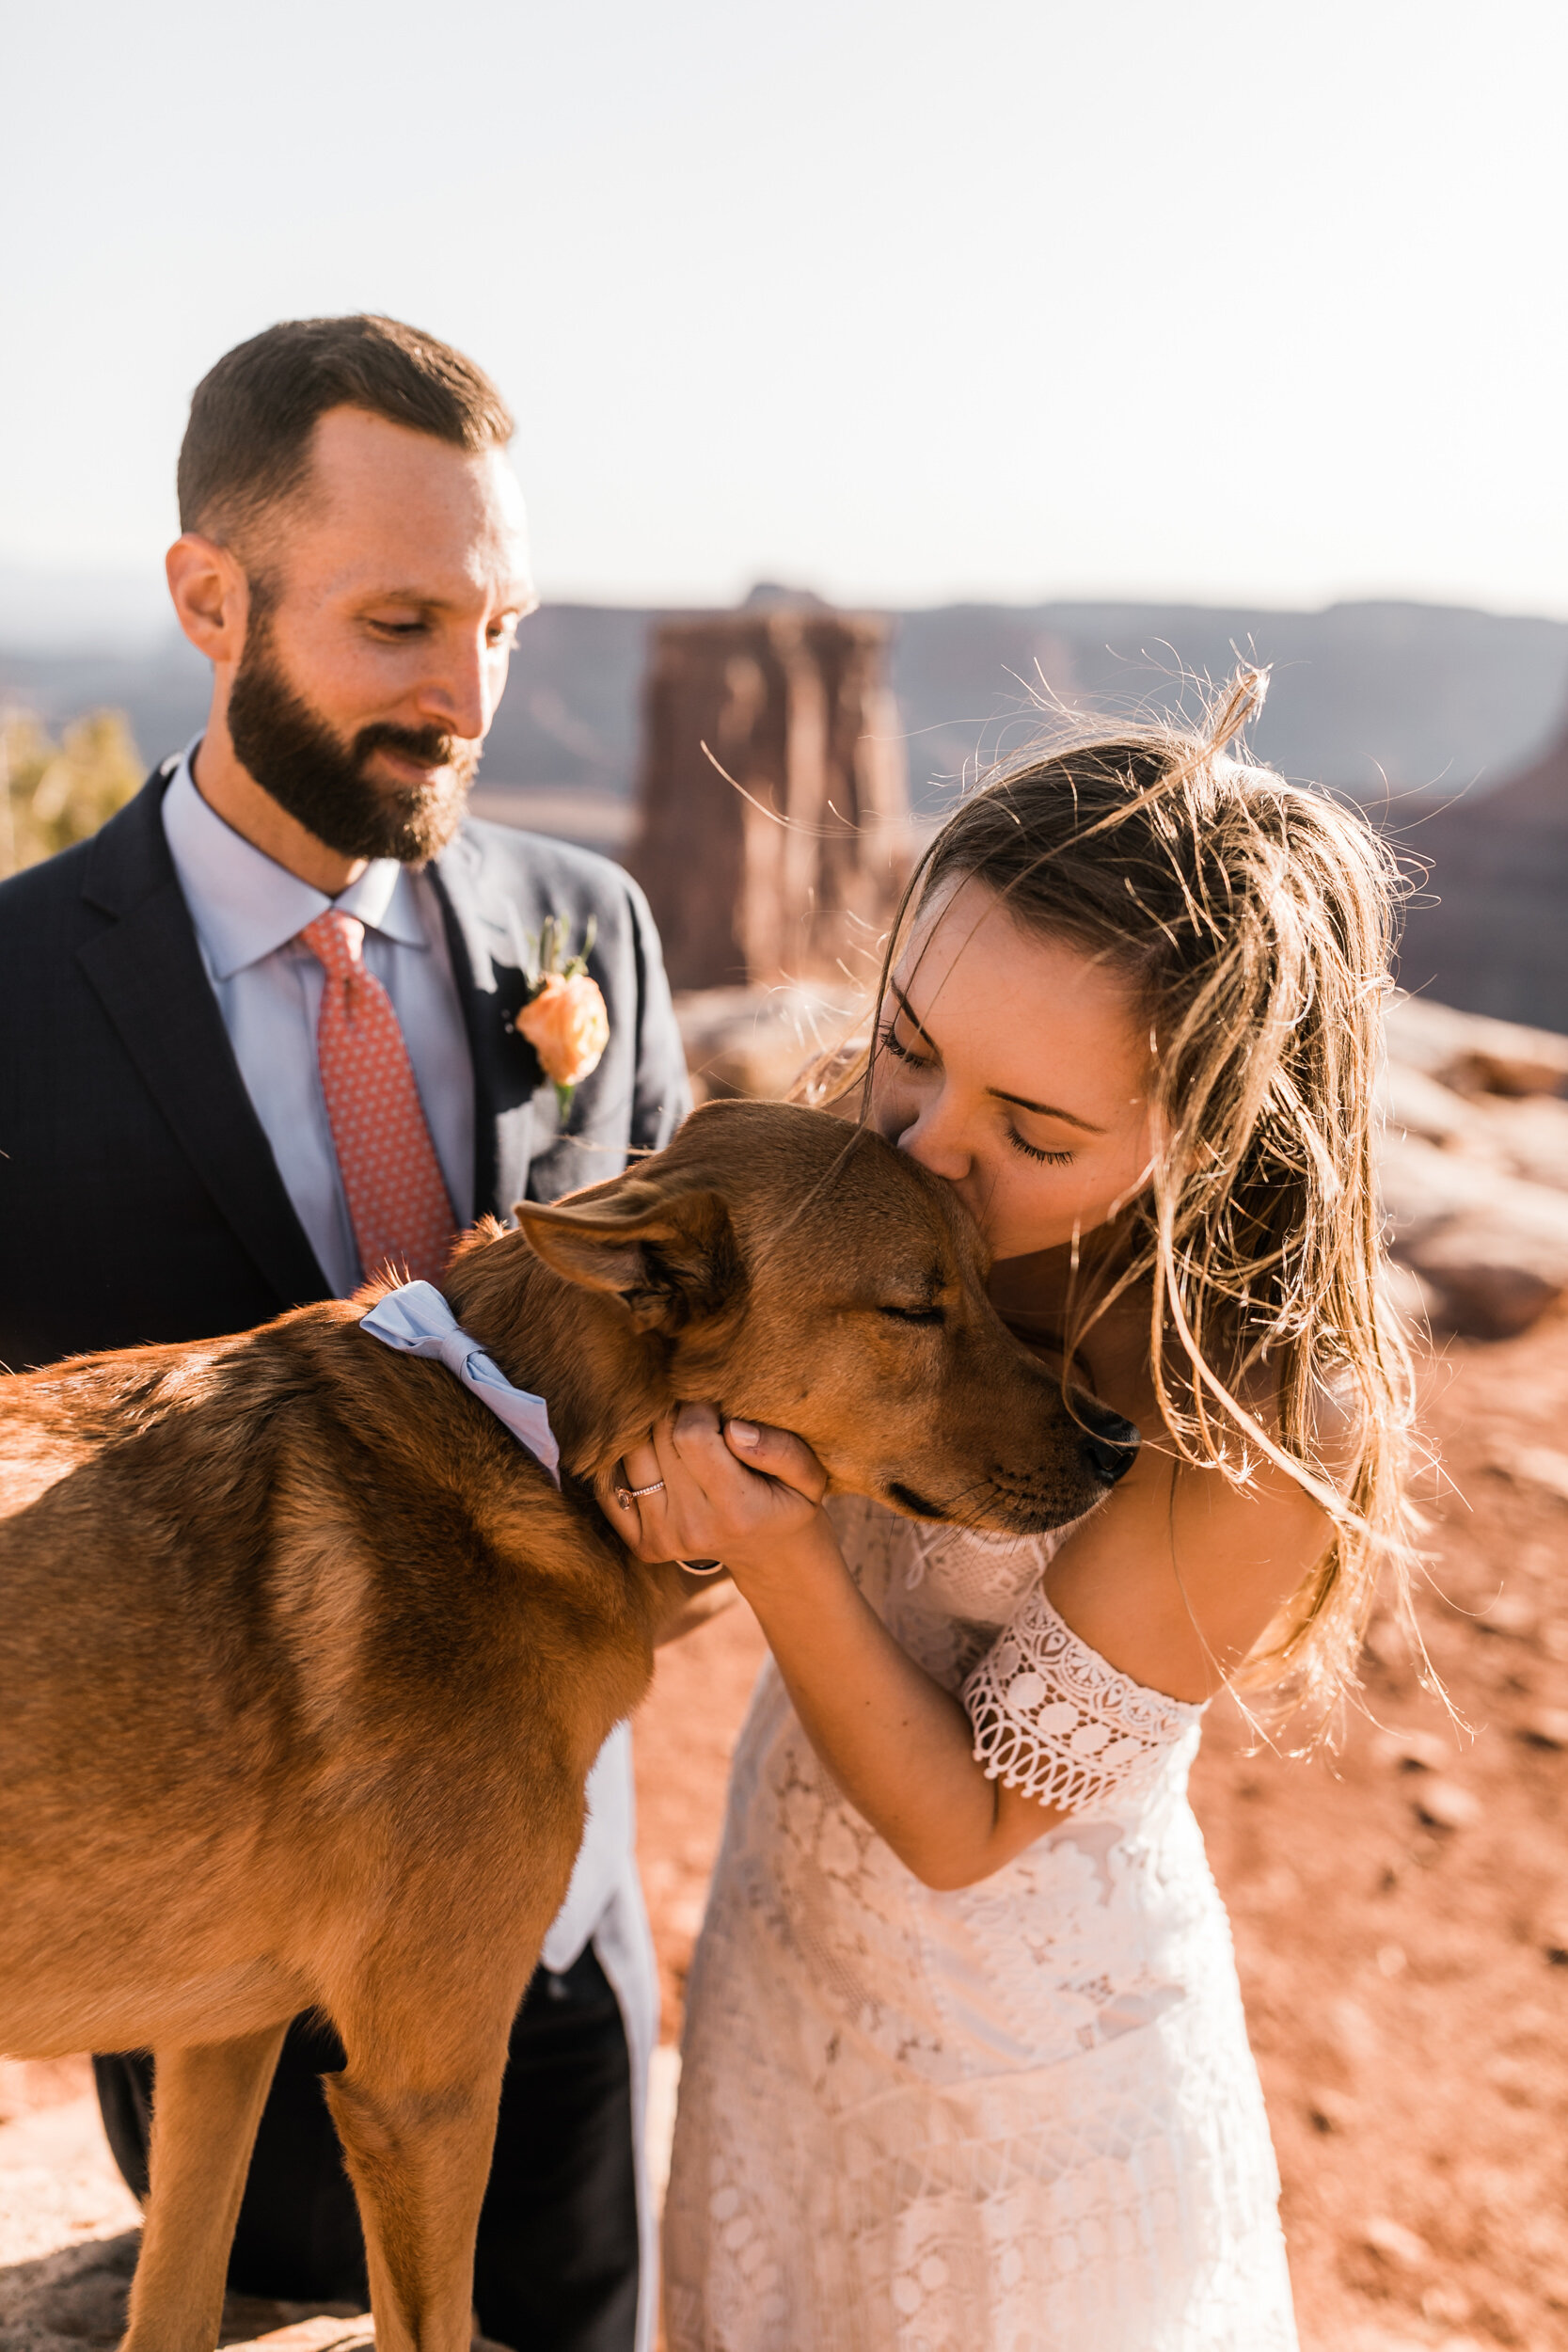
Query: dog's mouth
(905, 1499)
(1003, 1503)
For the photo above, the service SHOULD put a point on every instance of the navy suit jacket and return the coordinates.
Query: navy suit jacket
(139, 1200)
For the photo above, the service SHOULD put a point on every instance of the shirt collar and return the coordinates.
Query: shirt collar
(246, 906)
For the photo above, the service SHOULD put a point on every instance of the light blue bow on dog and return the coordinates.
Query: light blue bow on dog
(417, 1320)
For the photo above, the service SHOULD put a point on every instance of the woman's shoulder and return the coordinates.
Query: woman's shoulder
(1179, 1572)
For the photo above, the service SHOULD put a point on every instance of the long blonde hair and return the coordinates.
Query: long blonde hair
(1255, 919)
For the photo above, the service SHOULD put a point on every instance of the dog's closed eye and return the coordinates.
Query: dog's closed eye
(914, 1314)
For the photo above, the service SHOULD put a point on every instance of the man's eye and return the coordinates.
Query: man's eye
(914, 1314)
(398, 628)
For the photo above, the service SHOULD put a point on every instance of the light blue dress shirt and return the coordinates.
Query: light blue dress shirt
(247, 913)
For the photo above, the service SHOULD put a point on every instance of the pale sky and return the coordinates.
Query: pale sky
(1000, 298)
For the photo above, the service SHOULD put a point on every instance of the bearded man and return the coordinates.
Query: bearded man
(194, 1134)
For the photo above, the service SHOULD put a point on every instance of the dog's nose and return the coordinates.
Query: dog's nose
(1110, 1442)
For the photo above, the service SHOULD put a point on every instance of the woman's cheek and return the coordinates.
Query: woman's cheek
(1024, 1211)
(1047, 1205)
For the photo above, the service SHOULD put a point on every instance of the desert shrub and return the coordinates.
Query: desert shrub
(54, 793)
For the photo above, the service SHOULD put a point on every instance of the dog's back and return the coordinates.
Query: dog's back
(244, 1604)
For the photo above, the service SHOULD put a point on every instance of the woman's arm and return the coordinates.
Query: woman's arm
(687, 1601)
(899, 1746)
(1131, 1581)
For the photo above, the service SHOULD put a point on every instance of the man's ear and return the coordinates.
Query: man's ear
(671, 1257)
(211, 593)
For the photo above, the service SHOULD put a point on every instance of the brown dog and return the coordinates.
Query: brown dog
(305, 1660)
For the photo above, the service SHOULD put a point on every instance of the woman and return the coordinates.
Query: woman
(965, 2067)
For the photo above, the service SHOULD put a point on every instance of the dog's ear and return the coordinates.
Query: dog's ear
(670, 1256)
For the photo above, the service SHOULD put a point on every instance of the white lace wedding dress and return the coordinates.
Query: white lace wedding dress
(1021, 2118)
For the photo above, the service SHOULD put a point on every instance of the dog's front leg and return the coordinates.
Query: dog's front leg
(206, 2104)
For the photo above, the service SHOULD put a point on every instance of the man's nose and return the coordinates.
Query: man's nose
(460, 696)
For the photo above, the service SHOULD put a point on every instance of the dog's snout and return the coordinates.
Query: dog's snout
(1110, 1442)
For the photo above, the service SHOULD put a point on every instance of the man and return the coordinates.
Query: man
(194, 1138)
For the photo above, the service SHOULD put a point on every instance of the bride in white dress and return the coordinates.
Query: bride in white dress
(1019, 2115)
(965, 2066)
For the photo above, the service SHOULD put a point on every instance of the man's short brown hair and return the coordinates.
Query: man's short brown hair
(247, 444)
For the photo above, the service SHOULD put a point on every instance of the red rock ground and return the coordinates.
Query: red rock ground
(1400, 1910)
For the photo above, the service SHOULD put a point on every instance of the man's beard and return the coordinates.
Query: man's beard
(293, 754)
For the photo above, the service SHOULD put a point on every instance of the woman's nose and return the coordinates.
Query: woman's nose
(937, 1141)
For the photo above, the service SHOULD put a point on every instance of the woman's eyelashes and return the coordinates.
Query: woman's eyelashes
(888, 1036)
(1034, 1152)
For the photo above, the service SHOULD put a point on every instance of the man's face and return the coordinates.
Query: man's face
(384, 607)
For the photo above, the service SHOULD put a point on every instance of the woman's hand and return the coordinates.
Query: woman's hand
(900, 1746)
(735, 1491)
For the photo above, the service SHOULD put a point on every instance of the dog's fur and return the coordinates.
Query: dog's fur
(305, 1661)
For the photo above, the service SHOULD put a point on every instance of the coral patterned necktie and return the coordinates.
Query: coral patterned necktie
(397, 1196)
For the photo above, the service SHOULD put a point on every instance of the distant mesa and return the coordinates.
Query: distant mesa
(1445, 722)
(1489, 933)
(771, 596)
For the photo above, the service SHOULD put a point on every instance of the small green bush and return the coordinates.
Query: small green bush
(53, 794)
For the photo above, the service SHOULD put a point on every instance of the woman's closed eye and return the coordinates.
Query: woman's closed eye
(890, 1042)
(889, 1038)
(1037, 1151)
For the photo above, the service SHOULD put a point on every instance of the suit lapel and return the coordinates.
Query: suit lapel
(148, 972)
(515, 1112)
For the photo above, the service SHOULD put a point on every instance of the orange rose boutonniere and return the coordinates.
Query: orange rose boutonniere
(564, 1019)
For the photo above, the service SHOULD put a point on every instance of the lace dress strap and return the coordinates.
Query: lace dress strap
(1054, 1719)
